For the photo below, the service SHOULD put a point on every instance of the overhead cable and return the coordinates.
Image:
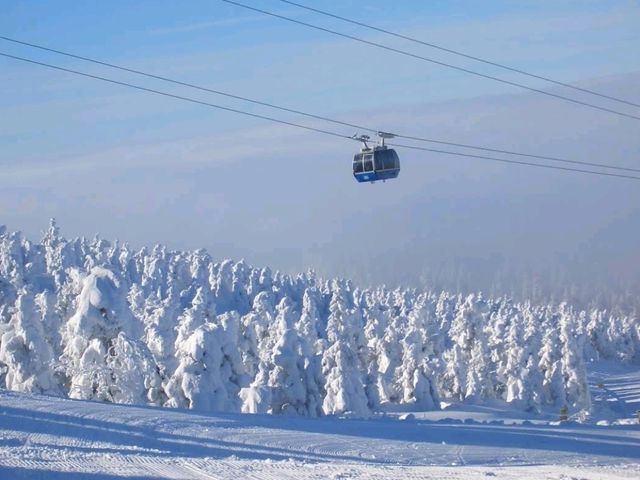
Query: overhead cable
(178, 97)
(431, 60)
(310, 115)
(459, 53)
(297, 125)
(504, 160)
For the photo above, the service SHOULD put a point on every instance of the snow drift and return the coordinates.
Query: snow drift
(95, 320)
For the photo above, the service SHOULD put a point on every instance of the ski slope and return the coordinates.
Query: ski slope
(615, 391)
(48, 437)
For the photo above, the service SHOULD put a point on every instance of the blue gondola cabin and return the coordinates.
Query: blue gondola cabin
(376, 163)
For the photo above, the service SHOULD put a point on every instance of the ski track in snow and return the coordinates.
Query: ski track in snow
(615, 390)
(48, 437)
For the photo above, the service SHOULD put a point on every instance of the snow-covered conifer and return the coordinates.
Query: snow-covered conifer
(25, 352)
(573, 368)
(343, 376)
(286, 379)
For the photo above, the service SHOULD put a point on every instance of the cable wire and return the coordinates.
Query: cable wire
(459, 53)
(305, 127)
(431, 60)
(310, 115)
(504, 160)
(178, 97)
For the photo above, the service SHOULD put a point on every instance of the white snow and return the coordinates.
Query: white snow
(408, 383)
(49, 437)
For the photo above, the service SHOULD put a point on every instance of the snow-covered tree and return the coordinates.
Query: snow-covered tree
(91, 335)
(286, 377)
(466, 374)
(343, 375)
(25, 352)
(418, 385)
(573, 368)
(550, 365)
(515, 360)
(311, 348)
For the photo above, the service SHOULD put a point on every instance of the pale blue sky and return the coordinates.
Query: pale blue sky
(232, 49)
(146, 169)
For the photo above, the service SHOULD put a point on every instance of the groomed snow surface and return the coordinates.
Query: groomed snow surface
(48, 437)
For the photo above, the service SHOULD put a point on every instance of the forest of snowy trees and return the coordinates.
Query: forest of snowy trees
(91, 319)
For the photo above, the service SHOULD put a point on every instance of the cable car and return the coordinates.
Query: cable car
(377, 162)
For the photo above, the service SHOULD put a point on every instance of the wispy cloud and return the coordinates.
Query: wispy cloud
(235, 146)
(195, 26)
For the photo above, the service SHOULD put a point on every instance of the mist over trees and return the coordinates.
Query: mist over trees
(585, 283)
(92, 319)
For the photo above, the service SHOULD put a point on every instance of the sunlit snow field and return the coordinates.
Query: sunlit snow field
(47, 437)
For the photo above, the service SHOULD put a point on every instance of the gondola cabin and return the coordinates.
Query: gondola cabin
(378, 163)
(375, 163)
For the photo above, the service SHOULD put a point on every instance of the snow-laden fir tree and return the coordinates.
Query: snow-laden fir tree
(311, 348)
(417, 376)
(550, 364)
(340, 363)
(287, 379)
(25, 352)
(90, 336)
(573, 368)
(207, 373)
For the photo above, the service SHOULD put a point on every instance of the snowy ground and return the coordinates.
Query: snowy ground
(46, 437)
(615, 391)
